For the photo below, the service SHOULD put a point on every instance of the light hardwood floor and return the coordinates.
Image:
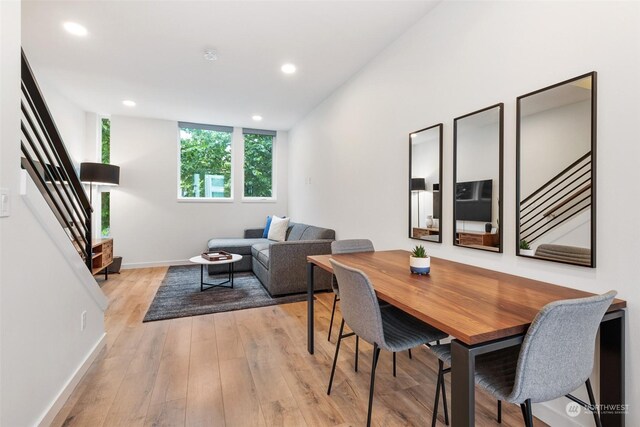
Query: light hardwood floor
(243, 368)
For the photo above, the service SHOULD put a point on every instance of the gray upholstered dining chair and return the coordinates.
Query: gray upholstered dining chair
(345, 247)
(386, 327)
(555, 358)
(349, 246)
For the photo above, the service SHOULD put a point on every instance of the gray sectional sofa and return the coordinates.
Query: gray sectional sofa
(280, 266)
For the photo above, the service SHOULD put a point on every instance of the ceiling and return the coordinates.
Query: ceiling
(152, 52)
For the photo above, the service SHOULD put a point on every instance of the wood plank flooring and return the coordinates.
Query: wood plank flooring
(244, 368)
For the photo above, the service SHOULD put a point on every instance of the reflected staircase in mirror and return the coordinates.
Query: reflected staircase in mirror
(560, 199)
(49, 165)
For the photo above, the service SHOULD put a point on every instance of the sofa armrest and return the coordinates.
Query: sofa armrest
(292, 256)
(253, 233)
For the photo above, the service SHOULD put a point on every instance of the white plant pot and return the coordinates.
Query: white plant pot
(527, 252)
(420, 265)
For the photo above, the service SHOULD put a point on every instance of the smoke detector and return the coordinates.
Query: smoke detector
(210, 55)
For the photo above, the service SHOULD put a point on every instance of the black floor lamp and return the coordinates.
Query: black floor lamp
(418, 185)
(99, 173)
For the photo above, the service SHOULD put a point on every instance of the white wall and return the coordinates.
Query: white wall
(41, 300)
(70, 120)
(148, 224)
(461, 57)
(564, 131)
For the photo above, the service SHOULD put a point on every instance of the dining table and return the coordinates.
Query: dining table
(483, 311)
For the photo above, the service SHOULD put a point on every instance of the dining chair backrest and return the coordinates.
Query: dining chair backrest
(557, 353)
(360, 308)
(349, 246)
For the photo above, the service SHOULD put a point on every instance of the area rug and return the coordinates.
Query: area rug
(179, 294)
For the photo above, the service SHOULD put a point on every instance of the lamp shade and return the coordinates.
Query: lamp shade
(418, 184)
(100, 173)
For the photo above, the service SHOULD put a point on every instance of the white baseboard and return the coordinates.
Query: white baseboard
(155, 264)
(550, 415)
(66, 391)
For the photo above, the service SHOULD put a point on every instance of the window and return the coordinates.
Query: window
(258, 163)
(105, 196)
(205, 161)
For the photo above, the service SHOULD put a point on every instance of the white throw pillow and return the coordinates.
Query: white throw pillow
(278, 229)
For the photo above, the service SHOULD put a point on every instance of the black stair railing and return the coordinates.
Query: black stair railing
(558, 200)
(47, 161)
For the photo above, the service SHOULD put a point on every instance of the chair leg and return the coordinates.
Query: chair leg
(374, 363)
(444, 395)
(335, 358)
(499, 411)
(527, 413)
(410, 357)
(357, 353)
(592, 401)
(394, 363)
(333, 312)
(437, 399)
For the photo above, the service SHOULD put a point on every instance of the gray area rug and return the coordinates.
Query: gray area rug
(179, 294)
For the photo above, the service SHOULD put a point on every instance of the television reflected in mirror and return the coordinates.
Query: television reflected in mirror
(425, 176)
(556, 146)
(478, 145)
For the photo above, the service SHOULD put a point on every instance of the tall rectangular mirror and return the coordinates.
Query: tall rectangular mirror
(425, 178)
(477, 171)
(556, 171)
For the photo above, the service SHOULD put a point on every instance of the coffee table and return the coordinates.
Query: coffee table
(199, 260)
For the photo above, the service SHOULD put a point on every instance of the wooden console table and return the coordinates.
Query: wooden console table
(483, 311)
(419, 232)
(477, 238)
(101, 256)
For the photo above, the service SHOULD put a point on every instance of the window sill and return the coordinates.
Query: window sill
(203, 200)
(259, 200)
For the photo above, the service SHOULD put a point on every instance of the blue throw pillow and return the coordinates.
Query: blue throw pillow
(265, 234)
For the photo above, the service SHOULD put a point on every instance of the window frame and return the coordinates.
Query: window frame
(203, 126)
(274, 138)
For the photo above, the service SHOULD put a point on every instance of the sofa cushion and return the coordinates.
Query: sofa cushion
(295, 231)
(309, 232)
(235, 246)
(316, 233)
(260, 251)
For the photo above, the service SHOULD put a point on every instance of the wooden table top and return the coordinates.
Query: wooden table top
(472, 304)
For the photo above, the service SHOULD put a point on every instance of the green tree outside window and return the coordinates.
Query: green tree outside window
(105, 214)
(205, 163)
(258, 165)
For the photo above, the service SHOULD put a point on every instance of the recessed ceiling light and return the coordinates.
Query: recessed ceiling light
(210, 55)
(129, 103)
(75, 29)
(256, 117)
(288, 68)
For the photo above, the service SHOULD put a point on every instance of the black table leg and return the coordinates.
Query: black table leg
(216, 285)
(612, 359)
(463, 367)
(310, 307)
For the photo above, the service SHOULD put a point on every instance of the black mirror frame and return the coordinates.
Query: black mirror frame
(440, 127)
(594, 121)
(500, 105)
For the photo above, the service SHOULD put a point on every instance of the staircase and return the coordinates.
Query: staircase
(557, 201)
(47, 161)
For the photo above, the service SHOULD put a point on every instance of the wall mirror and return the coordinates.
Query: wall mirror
(477, 171)
(425, 178)
(556, 146)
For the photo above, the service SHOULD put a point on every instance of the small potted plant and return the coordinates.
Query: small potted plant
(419, 262)
(525, 248)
